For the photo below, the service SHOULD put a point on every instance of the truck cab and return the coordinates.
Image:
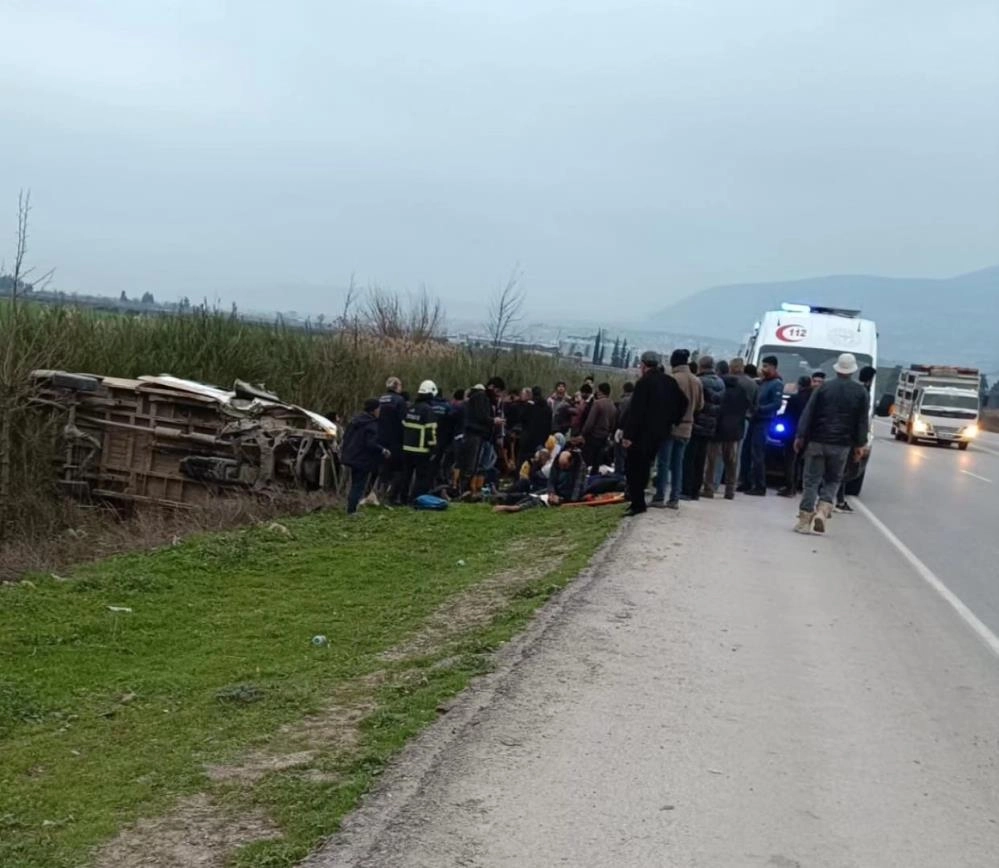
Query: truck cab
(938, 404)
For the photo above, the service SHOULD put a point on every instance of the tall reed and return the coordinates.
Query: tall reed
(322, 370)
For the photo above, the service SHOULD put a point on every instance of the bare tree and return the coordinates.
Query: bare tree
(506, 310)
(347, 316)
(426, 316)
(383, 313)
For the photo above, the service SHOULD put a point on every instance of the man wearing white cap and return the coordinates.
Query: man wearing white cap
(834, 422)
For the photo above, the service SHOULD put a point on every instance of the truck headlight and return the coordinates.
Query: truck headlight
(970, 431)
(919, 426)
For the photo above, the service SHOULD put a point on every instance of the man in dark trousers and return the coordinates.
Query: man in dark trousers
(792, 413)
(598, 427)
(771, 397)
(419, 443)
(834, 425)
(393, 408)
(703, 430)
(362, 452)
(657, 404)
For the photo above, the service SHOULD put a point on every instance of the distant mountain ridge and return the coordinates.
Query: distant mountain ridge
(920, 319)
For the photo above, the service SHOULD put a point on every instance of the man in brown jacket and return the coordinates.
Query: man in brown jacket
(598, 427)
(669, 462)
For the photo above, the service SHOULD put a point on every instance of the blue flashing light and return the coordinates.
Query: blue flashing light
(780, 428)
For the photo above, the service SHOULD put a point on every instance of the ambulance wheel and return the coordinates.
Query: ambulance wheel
(962, 446)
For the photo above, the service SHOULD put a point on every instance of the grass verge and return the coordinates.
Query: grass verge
(185, 679)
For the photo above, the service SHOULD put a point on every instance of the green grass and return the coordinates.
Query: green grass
(108, 716)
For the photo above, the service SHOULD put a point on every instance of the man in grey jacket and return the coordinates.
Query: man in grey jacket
(835, 421)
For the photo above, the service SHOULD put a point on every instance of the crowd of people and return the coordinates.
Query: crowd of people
(702, 426)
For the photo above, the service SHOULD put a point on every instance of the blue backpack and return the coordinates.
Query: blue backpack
(429, 501)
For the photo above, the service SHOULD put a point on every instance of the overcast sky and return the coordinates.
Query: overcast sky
(624, 153)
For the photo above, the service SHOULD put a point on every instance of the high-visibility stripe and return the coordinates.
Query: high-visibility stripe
(424, 443)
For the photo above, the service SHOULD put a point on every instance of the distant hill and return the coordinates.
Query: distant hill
(951, 320)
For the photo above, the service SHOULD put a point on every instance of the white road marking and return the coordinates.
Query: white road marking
(969, 618)
(977, 447)
(969, 473)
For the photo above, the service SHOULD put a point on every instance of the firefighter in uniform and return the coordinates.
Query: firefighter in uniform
(419, 442)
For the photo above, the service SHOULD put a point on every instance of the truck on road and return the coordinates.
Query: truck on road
(937, 403)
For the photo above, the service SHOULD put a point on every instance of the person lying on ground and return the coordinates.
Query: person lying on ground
(566, 484)
(532, 480)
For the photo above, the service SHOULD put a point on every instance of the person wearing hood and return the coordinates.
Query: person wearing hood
(362, 452)
(419, 442)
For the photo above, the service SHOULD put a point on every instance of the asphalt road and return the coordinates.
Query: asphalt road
(944, 505)
(721, 692)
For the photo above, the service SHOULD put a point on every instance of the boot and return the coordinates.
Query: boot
(729, 492)
(805, 520)
(822, 514)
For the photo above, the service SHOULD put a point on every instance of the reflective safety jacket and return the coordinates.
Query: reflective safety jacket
(419, 429)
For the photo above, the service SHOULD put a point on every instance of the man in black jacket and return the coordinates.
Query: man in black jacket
(362, 452)
(835, 422)
(791, 416)
(657, 404)
(419, 443)
(729, 431)
(537, 426)
(393, 409)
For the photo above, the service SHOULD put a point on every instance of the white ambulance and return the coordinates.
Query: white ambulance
(808, 338)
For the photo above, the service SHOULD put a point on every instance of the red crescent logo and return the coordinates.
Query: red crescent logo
(792, 333)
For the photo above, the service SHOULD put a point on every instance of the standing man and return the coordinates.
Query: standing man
(393, 409)
(834, 424)
(419, 443)
(748, 384)
(657, 404)
(669, 461)
(537, 426)
(598, 427)
(771, 397)
(362, 452)
(724, 447)
(622, 414)
(558, 396)
(791, 417)
(704, 430)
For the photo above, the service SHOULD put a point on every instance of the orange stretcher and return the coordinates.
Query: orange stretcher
(608, 499)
